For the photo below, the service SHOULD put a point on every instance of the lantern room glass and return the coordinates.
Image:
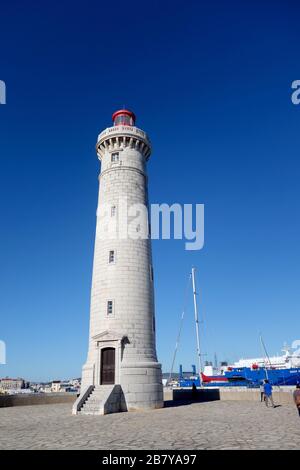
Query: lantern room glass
(123, 120)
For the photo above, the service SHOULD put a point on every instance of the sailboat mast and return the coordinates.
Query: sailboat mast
(197, 324)
(266, 354)
(176, 347)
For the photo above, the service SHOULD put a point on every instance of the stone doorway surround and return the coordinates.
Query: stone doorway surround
(108, 339)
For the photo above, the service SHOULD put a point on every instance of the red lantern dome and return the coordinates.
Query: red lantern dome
(123, 117)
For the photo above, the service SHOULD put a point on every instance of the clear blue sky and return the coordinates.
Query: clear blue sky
(211, 83)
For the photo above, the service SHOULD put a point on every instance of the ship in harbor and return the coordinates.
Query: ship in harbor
(279, 370)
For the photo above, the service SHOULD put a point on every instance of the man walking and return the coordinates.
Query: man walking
(262, 392)
(268, 393)
(296, 396)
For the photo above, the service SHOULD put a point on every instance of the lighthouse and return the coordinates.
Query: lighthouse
(122, 372)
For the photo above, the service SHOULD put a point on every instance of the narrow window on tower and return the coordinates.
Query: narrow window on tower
(151, 273)
(110, 307)
(113, 211)
(115, 157)
(111, 256)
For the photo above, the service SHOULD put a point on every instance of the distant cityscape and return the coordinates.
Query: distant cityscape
(12, 386)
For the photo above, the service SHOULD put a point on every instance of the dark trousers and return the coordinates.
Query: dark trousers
(267, 398)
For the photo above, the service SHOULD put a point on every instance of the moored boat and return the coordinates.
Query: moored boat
(279, 370)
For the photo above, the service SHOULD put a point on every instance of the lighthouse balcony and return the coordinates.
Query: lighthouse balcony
(121, 137)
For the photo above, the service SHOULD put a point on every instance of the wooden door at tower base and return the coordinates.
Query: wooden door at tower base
(107, 366)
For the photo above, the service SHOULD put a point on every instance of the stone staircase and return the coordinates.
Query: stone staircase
(104, 399)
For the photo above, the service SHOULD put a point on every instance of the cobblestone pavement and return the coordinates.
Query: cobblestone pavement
(212, 425)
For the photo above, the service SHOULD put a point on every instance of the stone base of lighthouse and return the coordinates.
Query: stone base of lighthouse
(142, 386)
(128, 386)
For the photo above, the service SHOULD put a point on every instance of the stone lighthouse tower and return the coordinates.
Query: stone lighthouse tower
(122, 372)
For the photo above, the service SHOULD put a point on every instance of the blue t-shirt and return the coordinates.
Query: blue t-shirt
(268, 389)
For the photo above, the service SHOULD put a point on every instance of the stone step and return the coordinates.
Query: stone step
(93, 403)
(101, 388)
(99, 394)
(96, 397)
(92, 409)
(96, 403)
(88, 405)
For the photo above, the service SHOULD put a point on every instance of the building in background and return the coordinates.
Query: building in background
(8, 385)
(56, 386)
